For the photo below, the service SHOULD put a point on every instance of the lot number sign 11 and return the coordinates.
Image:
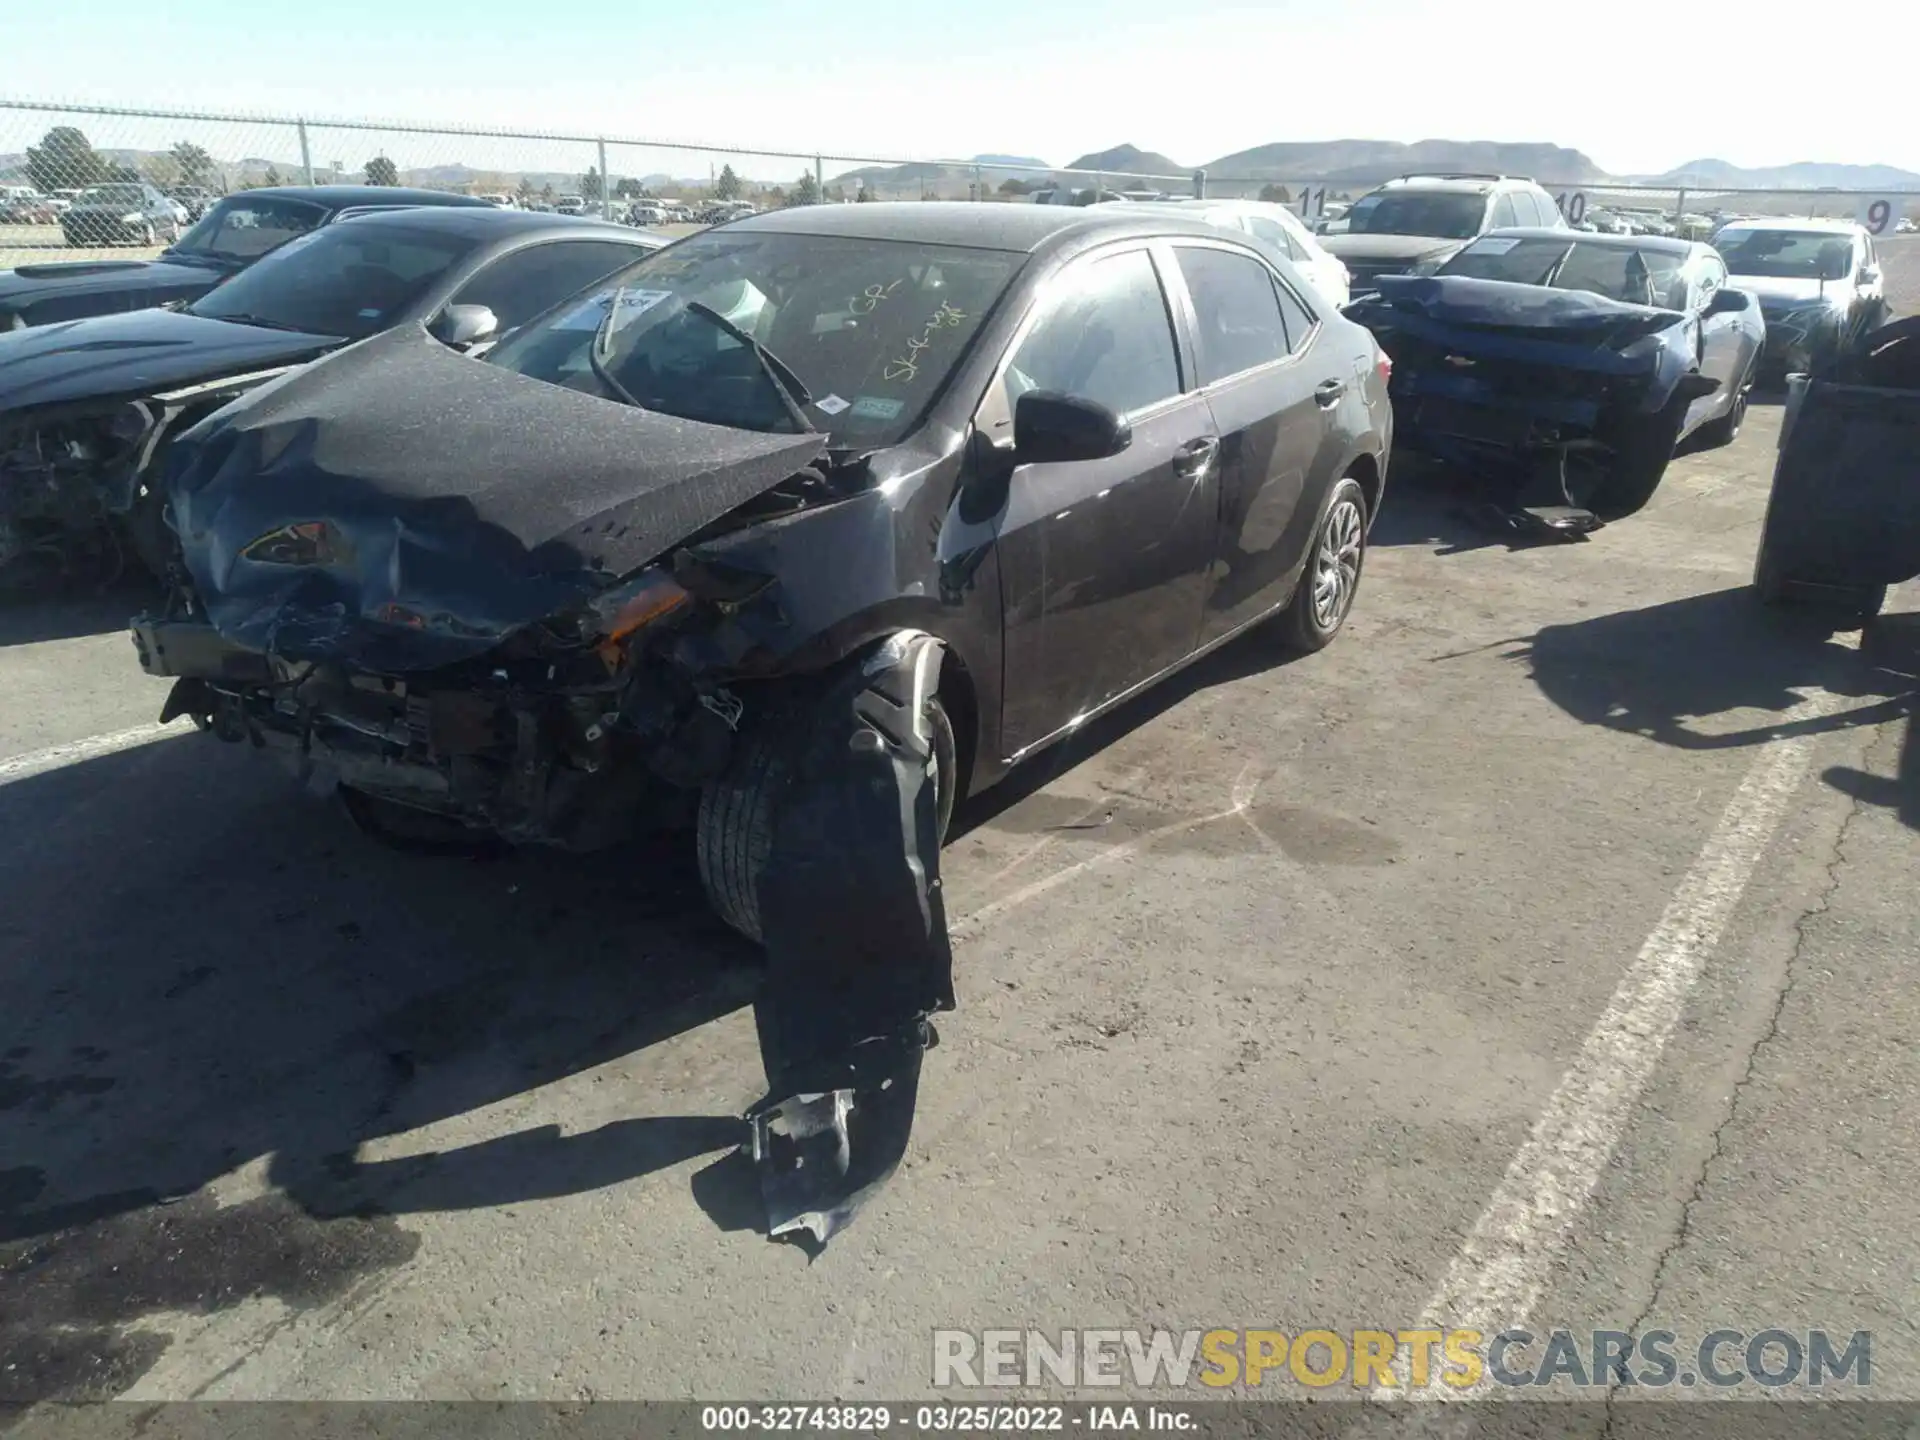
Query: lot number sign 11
(1313, 203)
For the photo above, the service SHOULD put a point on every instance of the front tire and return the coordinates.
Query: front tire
(1640, 464)
(734, 831)
(1323, 598)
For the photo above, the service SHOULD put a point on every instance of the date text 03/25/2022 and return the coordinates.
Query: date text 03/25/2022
(943, 1418)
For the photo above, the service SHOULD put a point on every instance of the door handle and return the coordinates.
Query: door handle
(1193, 459)
(1328, 392)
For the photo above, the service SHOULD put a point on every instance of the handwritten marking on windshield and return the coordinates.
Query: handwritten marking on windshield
(906, 368)
(869, 300)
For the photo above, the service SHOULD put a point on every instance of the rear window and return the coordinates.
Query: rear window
(1441, 214)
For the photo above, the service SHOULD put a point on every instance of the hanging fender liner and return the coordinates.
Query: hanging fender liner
(858, 956)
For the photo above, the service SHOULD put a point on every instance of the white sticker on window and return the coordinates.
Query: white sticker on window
(369, 314)
(830, 405)
(591, 313)
(877, 407)
(1494, 245)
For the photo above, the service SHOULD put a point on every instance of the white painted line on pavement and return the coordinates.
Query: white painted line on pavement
(1503, 1267)
(1244, 788)
(71, 752)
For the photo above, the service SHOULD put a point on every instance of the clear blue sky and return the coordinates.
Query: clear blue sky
(1637, 84)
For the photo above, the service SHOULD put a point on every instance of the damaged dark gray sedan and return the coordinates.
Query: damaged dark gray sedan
(797, 533)
(1565, 369)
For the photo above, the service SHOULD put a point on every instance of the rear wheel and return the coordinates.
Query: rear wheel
(1323, 598)
(1723, 429)
(1841, 600)
(734, 831)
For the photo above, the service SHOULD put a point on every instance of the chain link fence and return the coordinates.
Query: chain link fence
(83, 181)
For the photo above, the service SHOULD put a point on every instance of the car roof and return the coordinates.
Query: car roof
(1465, 184)
(1673, 244)
(1793, 222)
(487, 222)
(987, 226)
(340, 196)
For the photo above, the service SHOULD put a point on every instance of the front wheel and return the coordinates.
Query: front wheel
(147, 237)
(1323, 598)
(734, 831)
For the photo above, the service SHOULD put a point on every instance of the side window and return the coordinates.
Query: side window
(1539, 207)
(1272, 232)
(1504, 213)
(519, 286)
(1294, 313)
(1108, 338)
(1236, 309)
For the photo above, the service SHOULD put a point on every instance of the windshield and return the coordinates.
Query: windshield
(1444, 214)
(114, 195)
(239, 228)
(1618, 272)
(870, 328)
(1786, 254)
(346, 279)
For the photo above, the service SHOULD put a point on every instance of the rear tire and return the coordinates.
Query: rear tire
(1723, 430)
(1323, 596)
(734, 831)
(1841, 602)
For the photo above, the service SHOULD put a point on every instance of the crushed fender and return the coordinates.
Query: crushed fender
(858, 955)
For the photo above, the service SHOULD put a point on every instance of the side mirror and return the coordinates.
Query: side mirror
(463, 326)
(1049, 427)
(1869, 274)
(1728, 302)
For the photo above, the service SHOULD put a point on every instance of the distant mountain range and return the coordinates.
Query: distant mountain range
(1350, 164)
(1803, 174)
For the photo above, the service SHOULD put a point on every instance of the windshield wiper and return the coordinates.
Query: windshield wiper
(597, 353)
(787, 385)
(260, 320)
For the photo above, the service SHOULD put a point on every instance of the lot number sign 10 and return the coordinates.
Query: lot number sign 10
(1573, 205)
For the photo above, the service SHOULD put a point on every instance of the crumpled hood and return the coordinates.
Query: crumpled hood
(1785, 292)
(143, 353)
(1460, 300)
(460, 502)
(149, 282)
(1375, 248)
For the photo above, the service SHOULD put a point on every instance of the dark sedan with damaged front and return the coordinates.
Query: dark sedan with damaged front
(802, 530)
(86, 407)
(1564, 369)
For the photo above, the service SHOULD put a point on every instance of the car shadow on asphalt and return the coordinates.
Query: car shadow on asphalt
(1668, 671)
(206, 972)
(28, 617)
(1445, 510)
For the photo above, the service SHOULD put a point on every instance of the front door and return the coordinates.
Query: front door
(1102, 561)
(1722, 345)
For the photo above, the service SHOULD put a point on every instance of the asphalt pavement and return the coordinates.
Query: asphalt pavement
(1537, 954)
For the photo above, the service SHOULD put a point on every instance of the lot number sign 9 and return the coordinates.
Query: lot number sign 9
(1880, 213)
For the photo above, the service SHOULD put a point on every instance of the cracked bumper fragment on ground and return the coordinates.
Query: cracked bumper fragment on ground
(858, 954)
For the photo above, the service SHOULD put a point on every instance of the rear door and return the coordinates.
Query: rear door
(1101, 561)
(1268, 392)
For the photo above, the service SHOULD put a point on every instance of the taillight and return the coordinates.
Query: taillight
(1383, 364)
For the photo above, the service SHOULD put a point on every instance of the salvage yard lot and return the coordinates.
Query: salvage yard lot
(1263, 984)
